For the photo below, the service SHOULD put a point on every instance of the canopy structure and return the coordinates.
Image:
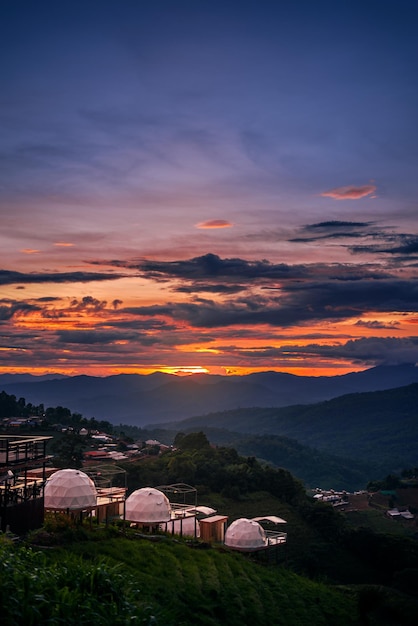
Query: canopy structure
(274, 519)
(147, 506)
(69, 489)
(245, 535)
(205, 510)
(107, 476)
(181, 496)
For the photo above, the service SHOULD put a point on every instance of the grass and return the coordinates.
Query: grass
(38, 590)
(186, 585)
(377, 521)
(164, 580)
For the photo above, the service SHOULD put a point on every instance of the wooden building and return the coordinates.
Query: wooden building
(22, 494)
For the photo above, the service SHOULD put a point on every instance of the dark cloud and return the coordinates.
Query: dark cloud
(11, 278)
(88, 303)
(8, 311)
(212, 266)
(375, 324)
(395, 244)
(366, 350)
(94, 336)
(374, 239)
(377, 350)
(204, 272)
(333, 229)
(151, 325)
(211, 288)
(295, 305)
(336, 225)
(336, 235)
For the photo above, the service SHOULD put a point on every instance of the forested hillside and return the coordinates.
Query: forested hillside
(311, 466)
(379, 429)
(339, 444)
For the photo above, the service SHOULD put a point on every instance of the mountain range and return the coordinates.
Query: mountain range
(378, 430)
(149, 399)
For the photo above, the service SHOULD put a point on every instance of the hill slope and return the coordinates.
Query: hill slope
(379, 428)
(176, 585)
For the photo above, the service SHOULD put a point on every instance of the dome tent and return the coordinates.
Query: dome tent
(147, 506)
(69, 489)
(245, 535)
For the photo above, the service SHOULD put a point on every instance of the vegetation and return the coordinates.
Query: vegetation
(69, 450)
(117, 576)
(334, 569)
(219, 470)
(377, 428)
(12, 407)
(37, 589)
(214, 586)
(314, 467)
(168, 583)
(323, 444)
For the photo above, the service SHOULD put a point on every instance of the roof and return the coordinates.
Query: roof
(205, 510)
(214, 519)
(274, 519)
(96, 453)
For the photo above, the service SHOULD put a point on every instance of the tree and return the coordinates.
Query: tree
(68, 451)
(181, 469)
(192, 441)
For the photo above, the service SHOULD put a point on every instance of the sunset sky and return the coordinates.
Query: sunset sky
(204, 185)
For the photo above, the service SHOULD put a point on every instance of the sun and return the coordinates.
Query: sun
(185, 370)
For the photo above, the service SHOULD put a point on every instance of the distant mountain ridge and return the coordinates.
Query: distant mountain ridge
(9, 379)
(159, 397)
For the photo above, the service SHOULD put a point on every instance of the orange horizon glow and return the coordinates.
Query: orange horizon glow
(183, 371)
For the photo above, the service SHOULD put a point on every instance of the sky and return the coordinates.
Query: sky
(205, 186)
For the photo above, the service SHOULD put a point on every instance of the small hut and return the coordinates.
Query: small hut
(213, 528)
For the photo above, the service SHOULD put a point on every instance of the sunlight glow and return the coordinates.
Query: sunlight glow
(185, 370)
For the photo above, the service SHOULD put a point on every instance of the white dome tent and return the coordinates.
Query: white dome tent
(147, 506)
(69, 490)
(246, 535)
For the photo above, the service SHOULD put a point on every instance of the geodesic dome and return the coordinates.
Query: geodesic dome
(147, 506)
(69, 489)
(246, 535)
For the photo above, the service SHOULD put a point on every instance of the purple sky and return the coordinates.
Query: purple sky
(223, 186)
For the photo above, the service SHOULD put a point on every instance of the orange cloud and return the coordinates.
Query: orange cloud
(30, 251)
(214, 224)
(350, 192)
(63, 244)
